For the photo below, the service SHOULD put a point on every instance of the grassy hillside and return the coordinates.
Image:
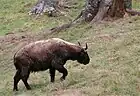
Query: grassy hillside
(114, 49)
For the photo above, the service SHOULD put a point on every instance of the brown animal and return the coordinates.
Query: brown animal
(49, 54)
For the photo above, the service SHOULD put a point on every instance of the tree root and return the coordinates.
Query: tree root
(133, 12)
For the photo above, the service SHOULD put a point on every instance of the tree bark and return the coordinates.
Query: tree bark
(103, 9)
(51, 7)
(128, 4)
(41, 6)
(90, 10)
(117, 9)
(96, 10)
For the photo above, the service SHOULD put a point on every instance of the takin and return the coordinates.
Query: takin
(49, 54)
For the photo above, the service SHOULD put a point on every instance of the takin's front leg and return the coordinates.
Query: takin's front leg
(61, 69)
(64, 71)
(52, 74)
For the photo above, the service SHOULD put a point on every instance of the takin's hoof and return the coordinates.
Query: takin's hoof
(62, 79)
(52, 81)
(15, 89)
(28, 88)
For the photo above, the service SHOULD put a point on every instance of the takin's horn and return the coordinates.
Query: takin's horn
(86, 47)
(79, 43)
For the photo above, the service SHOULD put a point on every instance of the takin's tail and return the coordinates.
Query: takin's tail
(15, 62)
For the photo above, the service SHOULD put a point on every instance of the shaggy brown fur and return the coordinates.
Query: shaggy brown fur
(49, 54)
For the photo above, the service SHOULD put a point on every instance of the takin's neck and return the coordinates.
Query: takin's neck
(73, 52)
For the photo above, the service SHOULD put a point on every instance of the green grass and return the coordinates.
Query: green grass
(136, 4)
(14, 17)
(114, 49)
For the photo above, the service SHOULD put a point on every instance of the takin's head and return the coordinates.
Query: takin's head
(83, 56)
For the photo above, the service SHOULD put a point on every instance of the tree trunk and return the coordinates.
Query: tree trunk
(90, 10)
(44, 6)
(51, 7)
(117, 9)
(92, 7)
(97, 10)
(103, 9)
(128, 4)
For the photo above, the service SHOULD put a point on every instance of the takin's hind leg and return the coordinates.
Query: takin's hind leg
(17, 78)
(25, 75)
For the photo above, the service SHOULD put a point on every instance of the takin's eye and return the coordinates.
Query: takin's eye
(83, 52)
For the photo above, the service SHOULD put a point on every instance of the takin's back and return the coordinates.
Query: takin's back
(43, 50)
(39, 48)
